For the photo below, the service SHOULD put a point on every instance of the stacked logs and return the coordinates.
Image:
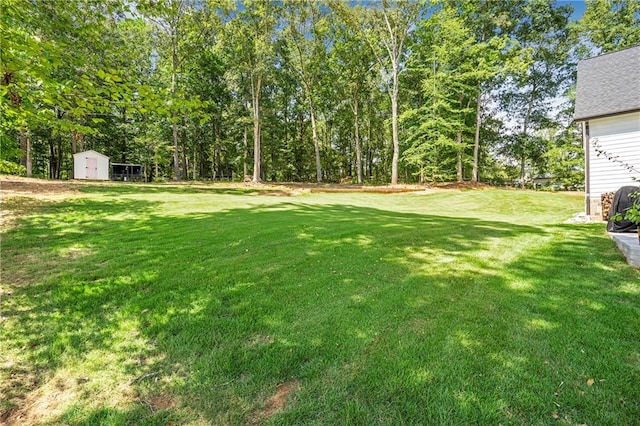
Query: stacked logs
(606, 200)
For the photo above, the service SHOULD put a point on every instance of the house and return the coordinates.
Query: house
(90, 165)
(608, 106)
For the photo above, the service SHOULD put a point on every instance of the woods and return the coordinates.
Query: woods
(336, 91)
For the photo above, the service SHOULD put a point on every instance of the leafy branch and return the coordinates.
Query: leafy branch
(615, 158)
(632, 214)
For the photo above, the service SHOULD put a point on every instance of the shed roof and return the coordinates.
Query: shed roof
(608, 84)
(91, 151)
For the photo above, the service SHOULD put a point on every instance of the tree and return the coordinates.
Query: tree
(531, 92)
(565, 159)
(491, 23)
(306, 33)
(610, 25)
(249, 40)
(352, 63)
(386, 29)
(181, 26)
(443, 67)
(52, 74)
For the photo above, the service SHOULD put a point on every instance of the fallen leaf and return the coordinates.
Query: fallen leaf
(554, 415)
(590, 382)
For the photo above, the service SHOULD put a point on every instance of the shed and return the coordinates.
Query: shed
(127, 172)
(90, 165)
(608, 106)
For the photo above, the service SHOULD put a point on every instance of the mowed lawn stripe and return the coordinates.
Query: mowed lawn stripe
(365, 308)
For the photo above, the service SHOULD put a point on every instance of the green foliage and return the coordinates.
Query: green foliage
(632, 214)
(445, 64)
(306, 79)
(610, 25)
(11, 168)
(530, 93)
(565, 160)
(9, 147)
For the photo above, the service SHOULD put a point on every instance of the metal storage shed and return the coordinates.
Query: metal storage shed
(90, 165)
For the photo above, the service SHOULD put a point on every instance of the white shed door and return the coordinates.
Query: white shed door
(92, 168)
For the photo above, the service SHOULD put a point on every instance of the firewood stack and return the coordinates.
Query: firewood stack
(606, 199)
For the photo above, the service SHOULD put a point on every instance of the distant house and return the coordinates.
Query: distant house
(608, 106)
(90, 165)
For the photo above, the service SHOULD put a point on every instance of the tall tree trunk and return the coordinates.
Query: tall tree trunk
(245, 166)
(394, 127)
(156, 165)
(25, 145)
(257, 155)
(459, 155)
(288, 176)
(183, 147)
(213, 150)
(124, 135)
(476, 143)
(316, 144)
(356, 135)
(59, 158)
(29, 161)
(174, 114)
(369, 153)
(73, 143)
(459, 141)
(525, 135)
(185, 159)
(176, 154)
(195, 174)
(52, 159)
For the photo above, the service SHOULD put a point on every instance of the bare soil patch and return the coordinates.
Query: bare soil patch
(19, 195)
(158, 403)
(462, 185)
(276, 402)
(275, 192)
(15, 185)
(335, 187)
(40, 401)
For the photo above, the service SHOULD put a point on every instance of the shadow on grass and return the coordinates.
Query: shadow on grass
(382, 317)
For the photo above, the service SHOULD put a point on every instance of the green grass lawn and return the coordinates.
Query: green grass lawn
(195, 305)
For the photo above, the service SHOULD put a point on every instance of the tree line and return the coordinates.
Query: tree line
(301, 90)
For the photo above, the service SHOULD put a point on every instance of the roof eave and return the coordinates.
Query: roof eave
(593, 117)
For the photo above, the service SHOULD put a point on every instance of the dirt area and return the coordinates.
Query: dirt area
(461, 185)
(30, 187)
(334, 187)
(14, 186)
(276, 402)
(44, 401)
(18, 194)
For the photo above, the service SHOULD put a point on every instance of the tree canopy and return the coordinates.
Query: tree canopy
(336, 90)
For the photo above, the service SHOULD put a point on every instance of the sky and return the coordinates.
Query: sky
(578, 6)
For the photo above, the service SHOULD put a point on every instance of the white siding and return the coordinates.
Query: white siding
(619, 137)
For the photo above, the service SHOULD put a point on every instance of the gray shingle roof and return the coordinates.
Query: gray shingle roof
(608, 84)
